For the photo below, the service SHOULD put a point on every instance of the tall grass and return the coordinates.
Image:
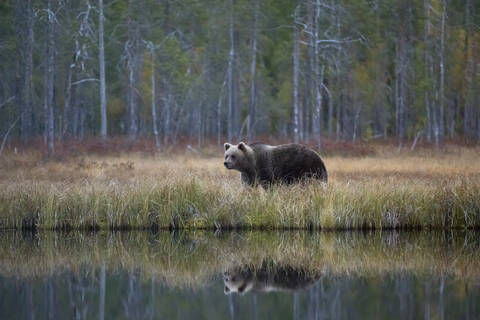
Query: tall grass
(133, 192)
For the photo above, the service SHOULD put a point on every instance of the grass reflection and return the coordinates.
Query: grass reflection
(191, 259)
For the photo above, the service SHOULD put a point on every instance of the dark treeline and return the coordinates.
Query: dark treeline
(304, 70)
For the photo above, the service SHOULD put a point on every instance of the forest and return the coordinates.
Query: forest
(115, 196)
(208, 71)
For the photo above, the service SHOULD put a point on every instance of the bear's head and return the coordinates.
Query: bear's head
(236, 282)
(237, 157)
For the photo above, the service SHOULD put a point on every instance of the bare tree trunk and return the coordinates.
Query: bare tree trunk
(28, 71)
(28, 302)
(19, 69)
(45, 98)
(219, 113)
(330, 110)
(310, 80)
(103, 284)
(296, 307)
(154, 98)
(18, 96)
(426, 92)
(133, 65)
(403, 93)
(295, 76)
(101, 58)
(475, 89)
(49, 297)
(253, 63)
(338, 116)
(51, 77)
(231, 306)
(467, 117)
(132, 105)
(5, 137)
(68, 102)
(452, 116)
(24, 65)
(166, 113)
(356, 121)
(379, 120)
(338, 111)
(319, 72)
(441, 301)
(401, 87)
(435, 92)
(231, 86)
(442, 72)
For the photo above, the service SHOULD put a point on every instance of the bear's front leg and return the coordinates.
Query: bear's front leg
(248, 180)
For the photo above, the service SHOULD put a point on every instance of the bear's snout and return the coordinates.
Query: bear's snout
(226, 165)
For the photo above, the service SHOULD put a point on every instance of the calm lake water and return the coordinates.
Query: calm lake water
(257, 275)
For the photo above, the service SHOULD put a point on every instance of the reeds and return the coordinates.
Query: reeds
(189, 192)
(196, 204)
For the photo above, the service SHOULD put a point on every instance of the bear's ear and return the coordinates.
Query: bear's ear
(227, 146)
(242, 146)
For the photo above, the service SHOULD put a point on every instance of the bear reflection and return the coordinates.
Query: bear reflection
(244, 279)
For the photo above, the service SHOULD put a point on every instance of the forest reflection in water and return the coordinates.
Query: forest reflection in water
(254, 275)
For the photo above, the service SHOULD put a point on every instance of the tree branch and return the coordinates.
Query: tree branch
(7, 101)
(84, 80)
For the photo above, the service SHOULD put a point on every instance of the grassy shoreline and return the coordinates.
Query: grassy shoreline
(195, 205)
(429, 190)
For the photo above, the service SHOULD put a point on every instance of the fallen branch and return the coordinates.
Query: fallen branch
(417, 136)
(192, 149)
(84, 80)
(7, 133)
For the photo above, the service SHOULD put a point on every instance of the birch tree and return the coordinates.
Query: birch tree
(133, 58)
(50, 77)
(319, 73)
(442, 71)
(468, 122)
(166, 112)
(253, 65)
(295, 56)
(103, 285)
(418, 75)
(154, 95)
(101, 60)
(27, 90)
(230, 80)
(426, 94)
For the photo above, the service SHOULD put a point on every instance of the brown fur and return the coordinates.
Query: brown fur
(243, 279)
(263, 164)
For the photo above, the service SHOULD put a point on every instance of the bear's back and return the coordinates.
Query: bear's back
(288, 163)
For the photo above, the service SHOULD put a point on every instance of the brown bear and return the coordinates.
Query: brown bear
(264, 164)
(243, 279)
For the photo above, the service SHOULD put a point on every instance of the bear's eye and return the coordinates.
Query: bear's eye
(233, 157)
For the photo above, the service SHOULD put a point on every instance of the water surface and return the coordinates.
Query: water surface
(256, 275)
